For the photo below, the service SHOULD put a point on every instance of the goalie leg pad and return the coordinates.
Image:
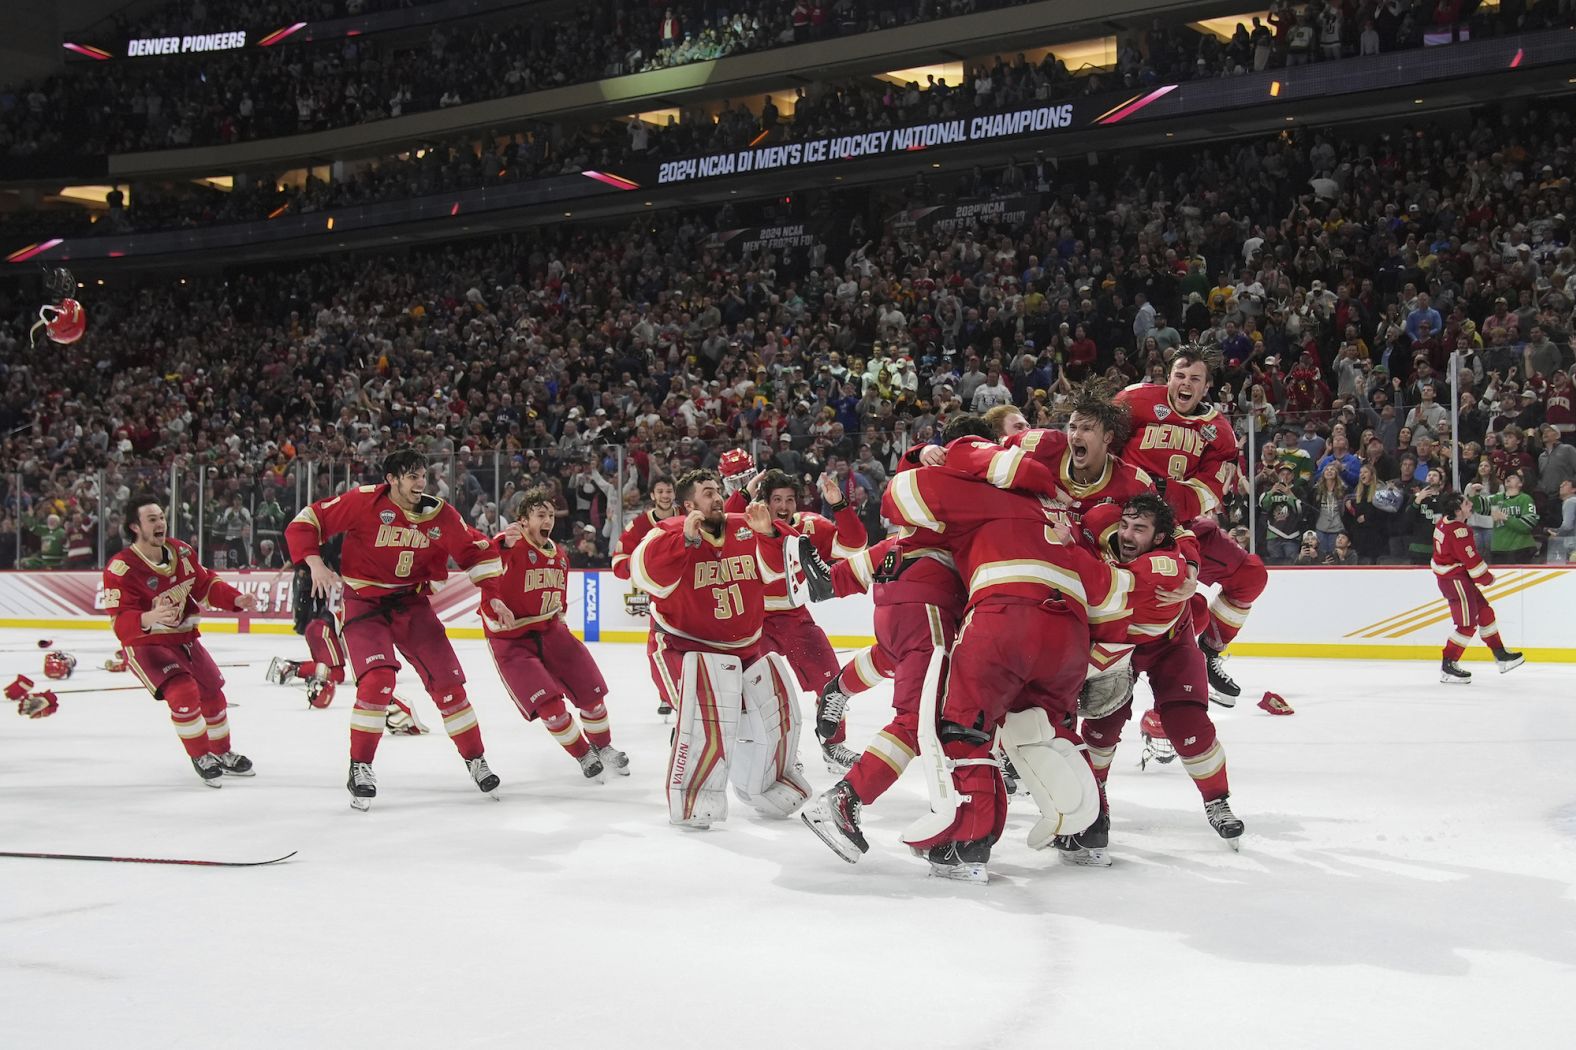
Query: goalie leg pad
(710, 689)
(1056, 773)
(981, 794)
(764, 766)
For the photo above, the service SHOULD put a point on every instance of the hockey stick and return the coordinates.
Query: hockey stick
(152, 860)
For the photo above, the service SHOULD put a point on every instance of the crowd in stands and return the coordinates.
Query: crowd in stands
(1335, 275)
(259, 93)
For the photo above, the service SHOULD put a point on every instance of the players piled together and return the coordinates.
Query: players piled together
(1034, 575)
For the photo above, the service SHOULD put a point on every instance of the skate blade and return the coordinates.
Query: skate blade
(360, 804)
(1235, 844)
(840, 846)
(235, 773)
(1085, 858)
(970, 873)
(837, 769)
(1222, 699)
(1506, 668)
(1446, 679)
(216, 782)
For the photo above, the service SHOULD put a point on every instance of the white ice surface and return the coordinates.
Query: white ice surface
(1406, 881)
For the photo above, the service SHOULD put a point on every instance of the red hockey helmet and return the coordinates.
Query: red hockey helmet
(58, 664)
(734, 462)
(116, 662)
(65, 321)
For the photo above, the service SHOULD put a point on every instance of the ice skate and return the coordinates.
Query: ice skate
(1506, 660)
(834, 817)
(362, 784)
(830, 707)
(1452, 673)
(614, 759)
(1009, 777)
(485, 778)
(209, 769)
(1087, 848)
(960, 861)
(234, 764)
(1225, 822)
(1223, 690)
(817, 574)
(281, 670)
(664, 710)
(839, 759)
(590, 766)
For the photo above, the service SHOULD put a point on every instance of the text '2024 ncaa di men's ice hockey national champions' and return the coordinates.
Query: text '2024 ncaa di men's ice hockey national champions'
(969, 525)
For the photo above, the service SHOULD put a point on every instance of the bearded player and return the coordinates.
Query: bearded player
(154, 591)
(662, 509)
(398, 542)
(1156, 639)
(1191, 451)
(541, 663)
(737, 719)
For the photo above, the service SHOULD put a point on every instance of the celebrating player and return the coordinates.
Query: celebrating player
(153, 592)
(1156, 638)
(1460, 572)
(316, 619)
(789, 629)
(737, 717)
(398, 542)
(1190, 449)
(540, 662)
(662, 508)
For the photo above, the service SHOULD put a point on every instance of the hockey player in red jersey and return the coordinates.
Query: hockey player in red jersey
(540, 662)
(1460, 572)
(918, 604)
(317, 620)
(737, 716)
(398, 542)
(789, 629)
(153, 591)
(1191, 451)
(1017, 666)
(1156, 639)
(662, 508)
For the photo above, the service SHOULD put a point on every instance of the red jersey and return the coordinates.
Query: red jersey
(388, 550)
(132, 582)
(834, 541)
(713, 593)
(630, 538)
(1002, 543)
(1146, 619)
(1196, 454)
(1456, 555)
(534, 585)
(1558, 409)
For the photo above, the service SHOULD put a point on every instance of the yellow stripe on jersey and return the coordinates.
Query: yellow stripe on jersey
(1026, 570)
(911, 504)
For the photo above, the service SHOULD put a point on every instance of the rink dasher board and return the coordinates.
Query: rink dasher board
(1380, 613)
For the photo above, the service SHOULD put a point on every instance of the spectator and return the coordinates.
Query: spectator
(1329, 504)
(1515, 519)
(1562, 538)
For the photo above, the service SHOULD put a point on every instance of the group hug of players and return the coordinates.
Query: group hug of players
(1033, 575)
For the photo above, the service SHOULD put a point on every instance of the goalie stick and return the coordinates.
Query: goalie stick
(151, 860)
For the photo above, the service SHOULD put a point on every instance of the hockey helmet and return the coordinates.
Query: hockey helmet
(59, 664)
(734, 462)
(116, 662)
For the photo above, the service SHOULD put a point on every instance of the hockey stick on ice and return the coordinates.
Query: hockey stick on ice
(152, 860)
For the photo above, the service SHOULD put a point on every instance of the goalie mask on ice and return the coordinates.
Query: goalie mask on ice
(63, 320)
(735, 725)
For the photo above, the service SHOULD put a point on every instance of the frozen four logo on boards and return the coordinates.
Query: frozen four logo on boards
(185, 45)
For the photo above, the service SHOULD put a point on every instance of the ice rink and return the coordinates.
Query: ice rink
(1405, 881)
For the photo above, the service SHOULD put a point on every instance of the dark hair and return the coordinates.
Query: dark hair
(131, 514)
(775, 479)
(1152, 506)
(684, 487)
(1192, 354)
(403, 461)
(966, 424)
(659, 481)
(535, 496)
(1449, 503)
(1093, 399)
